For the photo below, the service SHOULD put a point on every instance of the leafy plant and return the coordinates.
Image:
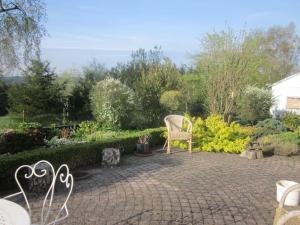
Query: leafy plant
(255, 104)
(268, 127)
(77, 155)
(86, 128)
(56, 142)
(291, 121)
(173, 101)
(28, 125)
(114, 105)
(215, 135)
(284, 144)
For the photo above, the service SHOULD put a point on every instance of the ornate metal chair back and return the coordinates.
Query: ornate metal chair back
(51, 212)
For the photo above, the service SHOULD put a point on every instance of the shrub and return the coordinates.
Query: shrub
(291, 121)
(173, 101)
(84, 154)
(284, 144)
(215, 135)
(268, 127)
(13, 141)
(255, 104)
(28, 125)
(113, 104)
(56, 142)
(38, 93)
(85, 128)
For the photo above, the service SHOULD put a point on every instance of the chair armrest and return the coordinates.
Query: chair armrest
(190, 125)
(285, 194)
(283, 219)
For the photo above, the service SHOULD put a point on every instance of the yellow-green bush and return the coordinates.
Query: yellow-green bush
(215, 135)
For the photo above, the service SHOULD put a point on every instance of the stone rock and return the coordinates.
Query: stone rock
(259, 155)
(252, 154)
(253, 150)
(40, 184)
(110, 157)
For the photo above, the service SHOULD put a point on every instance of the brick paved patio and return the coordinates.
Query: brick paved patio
(205, 188)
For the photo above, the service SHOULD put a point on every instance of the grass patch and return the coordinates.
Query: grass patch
(46, 120)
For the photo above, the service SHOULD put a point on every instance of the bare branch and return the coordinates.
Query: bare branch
(10, 8)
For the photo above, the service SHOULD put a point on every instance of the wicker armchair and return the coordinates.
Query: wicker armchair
(176, 131)
(284, 216)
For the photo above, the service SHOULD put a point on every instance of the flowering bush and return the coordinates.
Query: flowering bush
(215, 135)
(114, 105)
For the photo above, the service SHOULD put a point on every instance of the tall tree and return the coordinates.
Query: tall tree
(3, 96)
(150, 87)
(79, 100)
(282, 50)
(38, 94)
(21, 29)
(227, 62)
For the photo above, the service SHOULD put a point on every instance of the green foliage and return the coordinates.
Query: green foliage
(255, 104)
(9, 121)
(80, 99)
(194, 91)
(284, 144)
(28, 125)
(38, 94)
(3, 97)
(291, 121)
(149, 74)
(114, 104)
(107, 134)
(215, 135)
(268, 127)
(56, 142)
(86, 128)
(152, 84)
(226, 62)
(21, 31)
(232, 60)
(84, 154)
(173, 101)
(13, 141)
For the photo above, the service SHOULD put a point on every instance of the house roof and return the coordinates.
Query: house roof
(285, 79)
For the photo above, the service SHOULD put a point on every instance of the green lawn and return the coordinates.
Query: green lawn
(11, 121)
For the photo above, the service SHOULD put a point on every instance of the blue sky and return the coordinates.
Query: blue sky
(109, 30)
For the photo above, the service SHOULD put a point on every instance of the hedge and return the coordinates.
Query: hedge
(75, 156)
(17, 141)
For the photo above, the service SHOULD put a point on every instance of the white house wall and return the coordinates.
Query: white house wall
(281, 90)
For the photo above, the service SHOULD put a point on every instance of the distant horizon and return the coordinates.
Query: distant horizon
(110, 30)
(66, 58)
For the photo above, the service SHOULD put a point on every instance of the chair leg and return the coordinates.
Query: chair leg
(169, 146)
(165, 145)
(190, 146)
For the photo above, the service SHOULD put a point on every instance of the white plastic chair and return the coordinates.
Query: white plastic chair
(62, 175)
(284, 216)
(176, 130)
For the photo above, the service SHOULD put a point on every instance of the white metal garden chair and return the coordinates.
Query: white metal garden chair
(64, 179)
(177, 131)
(284, 216)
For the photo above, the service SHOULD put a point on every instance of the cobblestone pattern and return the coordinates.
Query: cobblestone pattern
(204, 188)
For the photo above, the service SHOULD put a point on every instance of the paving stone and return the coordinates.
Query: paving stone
(205, 188)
